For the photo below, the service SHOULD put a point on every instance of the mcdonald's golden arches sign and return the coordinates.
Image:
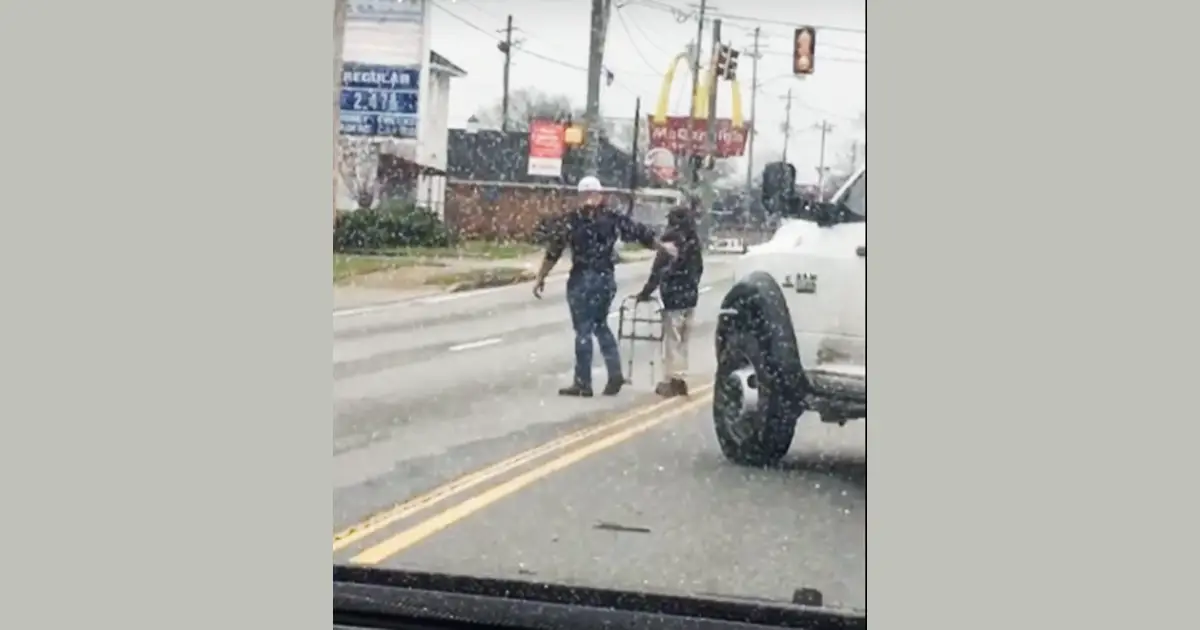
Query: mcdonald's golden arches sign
(672, 133)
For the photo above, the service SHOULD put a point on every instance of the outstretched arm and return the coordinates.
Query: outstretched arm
(632, 231)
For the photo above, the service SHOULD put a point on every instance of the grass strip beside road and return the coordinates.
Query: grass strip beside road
(472, 279)
(487, 250)
(348, 266)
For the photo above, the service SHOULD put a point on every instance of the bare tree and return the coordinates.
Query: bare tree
(358, 166)
(525, 104)
(619, 132)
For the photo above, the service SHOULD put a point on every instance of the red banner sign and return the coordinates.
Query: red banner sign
(547, 143)
(672, 135)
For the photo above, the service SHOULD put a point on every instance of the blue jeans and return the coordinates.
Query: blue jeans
(590, 296)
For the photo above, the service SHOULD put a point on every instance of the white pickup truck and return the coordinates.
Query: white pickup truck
(792, 334)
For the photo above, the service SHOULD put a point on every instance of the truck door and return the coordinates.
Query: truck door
(826, 288)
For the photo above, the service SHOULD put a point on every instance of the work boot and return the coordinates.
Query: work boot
(576, 390)
(679, 386)
(613, 387)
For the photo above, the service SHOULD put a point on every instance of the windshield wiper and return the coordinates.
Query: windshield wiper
(369, 597)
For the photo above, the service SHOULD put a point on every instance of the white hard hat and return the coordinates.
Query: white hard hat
(590, 184)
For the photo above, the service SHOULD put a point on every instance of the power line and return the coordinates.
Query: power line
(466, 21)
(637, 27)
(523, 50)
(831, 46)
(761, 21)
(681, 14)
(473, 4)
(632, 42)
(613, 81)
(820, 57)
(493, 36)
(816, 110)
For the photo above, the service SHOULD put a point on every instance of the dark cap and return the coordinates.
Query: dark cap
(680, 215)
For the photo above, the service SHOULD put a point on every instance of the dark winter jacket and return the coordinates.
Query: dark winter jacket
(678, 279)
(592, 238)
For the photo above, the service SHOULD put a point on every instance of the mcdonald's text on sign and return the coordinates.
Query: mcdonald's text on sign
(671, 133)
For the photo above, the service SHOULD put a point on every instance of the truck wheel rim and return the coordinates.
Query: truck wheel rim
(743, 404)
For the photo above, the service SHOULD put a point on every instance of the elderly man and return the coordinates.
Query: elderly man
(591, 232)
(678, 282)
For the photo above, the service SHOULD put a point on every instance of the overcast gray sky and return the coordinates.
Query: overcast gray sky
(643, 37)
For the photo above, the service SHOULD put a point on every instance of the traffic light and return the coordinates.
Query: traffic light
(804, 50)
(727, 62)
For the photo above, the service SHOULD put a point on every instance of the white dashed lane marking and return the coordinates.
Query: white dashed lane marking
(471, 345)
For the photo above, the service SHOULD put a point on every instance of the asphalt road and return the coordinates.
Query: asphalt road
(453, 453)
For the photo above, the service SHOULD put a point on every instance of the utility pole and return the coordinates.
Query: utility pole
(787, 124)
(825, 129)
(688, 181)
(853, 156)
(753, 118)
(507, 49)
(710, 140)
(591, 146)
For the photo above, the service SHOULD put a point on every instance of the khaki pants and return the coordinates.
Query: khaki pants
(677, 327)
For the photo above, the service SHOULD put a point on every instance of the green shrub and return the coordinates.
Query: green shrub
(393, 225)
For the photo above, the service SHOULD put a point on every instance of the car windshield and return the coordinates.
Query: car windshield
(511, 402)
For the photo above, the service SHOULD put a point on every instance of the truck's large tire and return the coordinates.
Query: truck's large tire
(761, 335)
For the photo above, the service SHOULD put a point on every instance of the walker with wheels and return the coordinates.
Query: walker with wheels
(649, 315)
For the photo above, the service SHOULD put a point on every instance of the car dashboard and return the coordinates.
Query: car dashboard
(370, 598)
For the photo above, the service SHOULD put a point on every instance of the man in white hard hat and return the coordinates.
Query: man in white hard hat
(591, 231)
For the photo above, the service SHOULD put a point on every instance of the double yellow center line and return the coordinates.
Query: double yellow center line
(618, 430)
